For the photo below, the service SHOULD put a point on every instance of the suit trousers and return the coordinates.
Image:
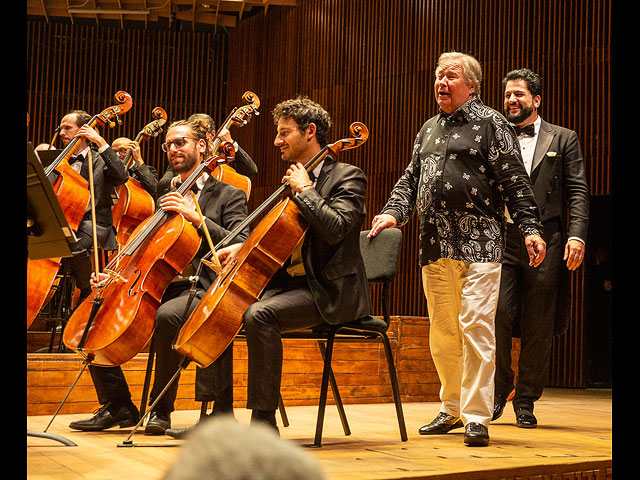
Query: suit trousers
(462, 298)
(528, 296)
(285, 308)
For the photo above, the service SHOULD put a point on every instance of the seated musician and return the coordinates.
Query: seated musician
(325, 280)
(140, 171)
(243, 164)
(108, 173)
(223, 207)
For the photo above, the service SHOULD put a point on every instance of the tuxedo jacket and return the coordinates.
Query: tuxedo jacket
(562, 194)
(333, 264)
(147, 176)
(108, 173)
(559, 181)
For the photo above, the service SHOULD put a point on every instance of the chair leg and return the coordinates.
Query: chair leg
(336, 393)
(323, 391)
(283, 412)
(394, 386)
(147, 379)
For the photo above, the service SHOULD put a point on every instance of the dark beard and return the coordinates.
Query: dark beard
(520, 117)
(189, 161)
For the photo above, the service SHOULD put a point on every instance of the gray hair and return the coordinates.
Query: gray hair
(471, 69)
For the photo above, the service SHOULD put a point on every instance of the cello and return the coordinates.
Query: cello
(217, 318)
(238, 116)
(116, 321)
(72, 192)
(134, 203)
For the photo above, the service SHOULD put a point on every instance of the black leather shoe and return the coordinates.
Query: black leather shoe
(443, 423)
(498, 407)
(525, 418)
(158, 424)
(126, 416)
(476, 435)
(179, 432)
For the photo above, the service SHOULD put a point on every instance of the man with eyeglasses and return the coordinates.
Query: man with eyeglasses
(223, 207)
(242, 162)
(146, 174)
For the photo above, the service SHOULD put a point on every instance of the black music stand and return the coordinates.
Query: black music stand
(47, 156)
(48, 233)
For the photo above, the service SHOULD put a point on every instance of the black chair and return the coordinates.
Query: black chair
(381, 256)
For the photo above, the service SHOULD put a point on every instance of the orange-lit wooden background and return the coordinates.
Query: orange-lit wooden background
(364, 60)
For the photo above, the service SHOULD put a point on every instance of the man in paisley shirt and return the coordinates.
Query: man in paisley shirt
(466, 165)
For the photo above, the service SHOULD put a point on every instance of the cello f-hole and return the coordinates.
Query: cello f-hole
(131, 289)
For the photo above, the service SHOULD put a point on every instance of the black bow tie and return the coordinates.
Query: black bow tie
(75, 158)
(528, 130)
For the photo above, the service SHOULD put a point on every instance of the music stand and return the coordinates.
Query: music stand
(48, 233)
(47, 156)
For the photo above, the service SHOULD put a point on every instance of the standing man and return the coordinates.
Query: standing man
(465, 165)
(140, 171)
(328, 283)
(223, 207)
(108, 173)
(530, 305)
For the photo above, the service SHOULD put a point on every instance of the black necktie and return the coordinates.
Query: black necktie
(528, 130)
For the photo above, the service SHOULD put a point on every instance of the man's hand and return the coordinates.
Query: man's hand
(225, 254)
(574, 254)
(174, 202)
(297, 177)
(90, 134)
(536, 248)
(380, 222)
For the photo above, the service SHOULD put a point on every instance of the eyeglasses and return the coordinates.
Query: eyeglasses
(178, 142)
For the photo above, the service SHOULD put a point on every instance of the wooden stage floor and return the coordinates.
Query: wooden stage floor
(574, 435)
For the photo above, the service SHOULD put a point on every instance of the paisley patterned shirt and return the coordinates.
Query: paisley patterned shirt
(465, 166)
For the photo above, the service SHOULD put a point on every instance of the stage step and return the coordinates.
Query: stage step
(360, 370)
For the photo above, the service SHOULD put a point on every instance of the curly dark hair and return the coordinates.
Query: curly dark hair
(304, 111)
(532, 79)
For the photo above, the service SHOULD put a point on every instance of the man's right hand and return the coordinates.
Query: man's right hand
(380, 222)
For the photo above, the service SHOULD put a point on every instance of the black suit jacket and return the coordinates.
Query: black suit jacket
(335, 272)
(108, 173)
(559, 181)
(562, 194)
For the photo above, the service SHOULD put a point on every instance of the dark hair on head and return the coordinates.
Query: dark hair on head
(304, 111)
(82, 117)
(532, 79)
(199, 128)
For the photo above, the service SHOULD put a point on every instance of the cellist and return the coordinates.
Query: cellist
(108, 173)
(222, 207)
(242, 163)
(324, 280)
(144, 173)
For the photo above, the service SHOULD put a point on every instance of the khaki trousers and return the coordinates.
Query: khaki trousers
(462, 299)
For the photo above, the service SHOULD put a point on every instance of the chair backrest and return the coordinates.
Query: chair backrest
(381, 254)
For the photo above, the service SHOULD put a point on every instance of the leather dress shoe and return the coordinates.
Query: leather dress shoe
(476, 435)
(525, 418)
(443, 423)
(158, 423)
(498, 407)
(179, 433)
(108, 416)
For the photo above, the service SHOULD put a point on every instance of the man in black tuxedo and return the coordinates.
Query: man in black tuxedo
(144, 173)
(534, 302)
(108, 173)
(328, 283)
(223, 208)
